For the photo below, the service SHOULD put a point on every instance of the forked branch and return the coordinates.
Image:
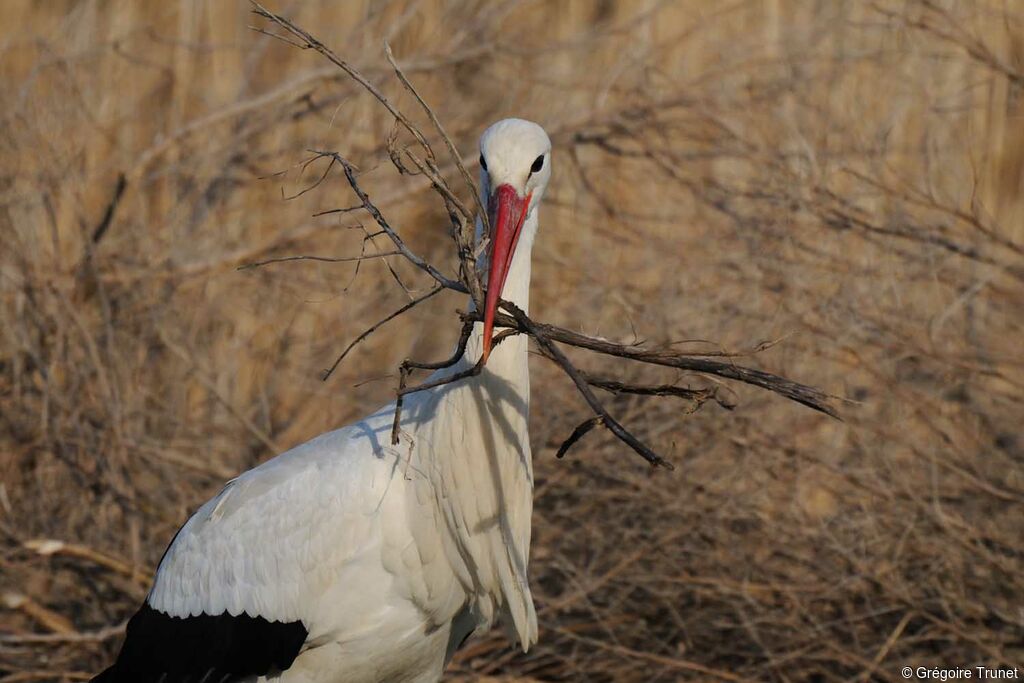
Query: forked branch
(547, 337)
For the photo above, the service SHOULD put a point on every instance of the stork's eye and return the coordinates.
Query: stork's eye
(483, 163)
(538, 164)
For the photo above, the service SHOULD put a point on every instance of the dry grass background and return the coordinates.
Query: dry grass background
(847, 175)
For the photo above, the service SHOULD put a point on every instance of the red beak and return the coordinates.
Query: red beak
(507, 211)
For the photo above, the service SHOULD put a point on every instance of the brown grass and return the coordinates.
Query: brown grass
(849, 175)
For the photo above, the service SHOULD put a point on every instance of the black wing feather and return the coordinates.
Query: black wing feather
(206, 648)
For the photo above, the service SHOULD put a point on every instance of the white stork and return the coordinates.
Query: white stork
(349, 560)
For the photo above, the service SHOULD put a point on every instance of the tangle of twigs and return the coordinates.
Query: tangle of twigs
(548, 338)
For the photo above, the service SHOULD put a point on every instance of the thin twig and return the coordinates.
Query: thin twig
(347, 209)
(373, 328)
(460, 350)
(464, 234)
(319, 181)
(452, 150)
(323, 259)
(395, 238)
(308, 42)
(698, 396)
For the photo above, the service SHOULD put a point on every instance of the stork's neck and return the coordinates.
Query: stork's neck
(510, 355)
(474, 452)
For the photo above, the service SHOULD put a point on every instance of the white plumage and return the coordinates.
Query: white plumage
(389, 556)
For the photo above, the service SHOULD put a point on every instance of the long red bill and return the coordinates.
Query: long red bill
(507, 212)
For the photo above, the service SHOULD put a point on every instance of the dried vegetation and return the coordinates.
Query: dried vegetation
(845, 177)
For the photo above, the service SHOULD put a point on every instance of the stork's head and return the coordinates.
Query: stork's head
(515, 164)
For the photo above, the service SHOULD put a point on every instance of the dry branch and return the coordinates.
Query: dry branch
(546, 336)
(373, 328)
(801, 393)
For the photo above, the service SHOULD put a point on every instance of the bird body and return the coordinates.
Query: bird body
(352, 559)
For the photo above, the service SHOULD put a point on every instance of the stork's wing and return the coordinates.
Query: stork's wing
(243, 584)
(212, 649)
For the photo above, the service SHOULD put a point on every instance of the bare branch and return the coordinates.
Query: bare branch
(577, 434)
(460, 349)
(373, 328)
(306, 41)
(581, 384)
(413, 258)
(801, 393)
(698, 396)
(323, 259)
(347, 209)
(463, 229)
(463, 236)
(456, 157)
(547, 337)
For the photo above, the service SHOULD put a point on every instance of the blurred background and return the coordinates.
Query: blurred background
(845, 176)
